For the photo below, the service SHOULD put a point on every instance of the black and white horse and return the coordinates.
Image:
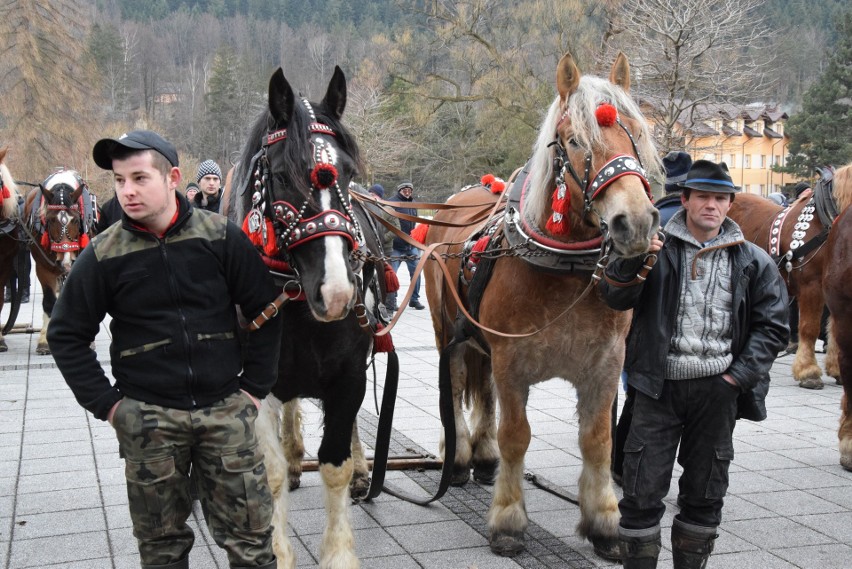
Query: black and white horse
(291, 193)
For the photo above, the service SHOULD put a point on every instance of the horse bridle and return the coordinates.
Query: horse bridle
(65, 244)
(291, 228)
(616, 167)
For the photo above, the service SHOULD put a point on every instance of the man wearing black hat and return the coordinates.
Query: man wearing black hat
(708, 321)
(186, 391)
(404, 251)
(677, 165)
(802, 190)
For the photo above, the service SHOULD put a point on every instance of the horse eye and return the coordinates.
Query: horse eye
(573, 142)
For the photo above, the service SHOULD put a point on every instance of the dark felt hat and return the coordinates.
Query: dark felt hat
(106, 148)
(707, 176)
(378, 190)
(677, 165)
(800, 187)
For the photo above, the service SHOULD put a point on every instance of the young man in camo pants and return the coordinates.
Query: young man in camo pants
(186, 388)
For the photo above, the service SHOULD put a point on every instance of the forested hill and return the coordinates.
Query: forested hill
(292, 12)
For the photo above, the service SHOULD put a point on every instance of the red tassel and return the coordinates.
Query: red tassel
(45, 240)
(391, 280)
(84, 241)
(6, 193)
(557, 227)
(382, 344)
(479, 247)
(419, 232)
(271, 245)
(606, 114)
(254, 236)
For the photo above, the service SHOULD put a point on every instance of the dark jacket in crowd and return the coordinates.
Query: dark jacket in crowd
(406, 226)
(759, 321)
(110, 212)
(174, 327)
(212, 201)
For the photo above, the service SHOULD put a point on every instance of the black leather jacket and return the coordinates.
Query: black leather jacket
(760, 320)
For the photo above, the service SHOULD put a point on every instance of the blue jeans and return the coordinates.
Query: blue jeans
(411, 264)
(701, 415)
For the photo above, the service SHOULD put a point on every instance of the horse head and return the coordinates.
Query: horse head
(8, 190)
(590, 162)
(300, 160)
(62, 214)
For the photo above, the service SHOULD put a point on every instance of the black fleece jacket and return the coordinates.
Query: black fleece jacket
(174, 327)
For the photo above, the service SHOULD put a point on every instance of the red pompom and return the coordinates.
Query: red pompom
(487, 179)
(419, 233)
(478, 247)
(382, 344)
(84, 241)
(6, 193)
(323, 176)
(606, 115)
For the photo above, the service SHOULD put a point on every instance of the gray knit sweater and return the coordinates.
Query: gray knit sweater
(701, 343)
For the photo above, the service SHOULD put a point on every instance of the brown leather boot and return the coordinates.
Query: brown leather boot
(691, 545)
(639, 547)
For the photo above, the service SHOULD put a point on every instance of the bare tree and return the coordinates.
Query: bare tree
(48, 110)
(688, 53)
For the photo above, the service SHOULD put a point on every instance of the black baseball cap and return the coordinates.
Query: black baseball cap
(137, 140)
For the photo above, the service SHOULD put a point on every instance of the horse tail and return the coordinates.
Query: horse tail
(478, 388)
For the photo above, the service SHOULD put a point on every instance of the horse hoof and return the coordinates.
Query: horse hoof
(294, 482)
(507, 544)
(461, 474)
(485, 473)
(359, 487)
(812, 383)
(4, 347)
(606, 548)
(846, 462)
(43, 350)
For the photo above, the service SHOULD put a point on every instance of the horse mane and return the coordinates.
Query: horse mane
(297, 150)
(10, 206)
(582, 104)
(843, 187)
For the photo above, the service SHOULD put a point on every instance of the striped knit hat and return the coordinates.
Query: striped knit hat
(208, 168)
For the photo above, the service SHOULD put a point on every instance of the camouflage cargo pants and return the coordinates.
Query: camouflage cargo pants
(159, 444)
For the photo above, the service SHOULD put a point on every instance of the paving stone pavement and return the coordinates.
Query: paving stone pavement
(63, 501)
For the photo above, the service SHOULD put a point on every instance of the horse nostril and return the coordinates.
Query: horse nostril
(618, 224)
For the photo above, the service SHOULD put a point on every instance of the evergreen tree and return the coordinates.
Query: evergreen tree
(821, 134)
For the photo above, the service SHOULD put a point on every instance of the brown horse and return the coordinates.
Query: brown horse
(60, 216)
(772, 228)
(838, 297)
(584, 192)
(9, 228)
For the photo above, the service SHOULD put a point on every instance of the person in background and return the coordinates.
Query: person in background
(209, 179)
(22, 267)
(676, 164)
(191, 190)
(402, 250)
(717, 305)
(802, 191)
(778, 198)
(387, 235)
(187, 390)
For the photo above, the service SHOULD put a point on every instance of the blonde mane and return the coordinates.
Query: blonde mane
(10, 205)
(582, 104)
(843, 187)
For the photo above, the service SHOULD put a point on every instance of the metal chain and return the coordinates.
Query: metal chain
(519, 250)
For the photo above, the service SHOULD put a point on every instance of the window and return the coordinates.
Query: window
(763, 161)
(746, 161)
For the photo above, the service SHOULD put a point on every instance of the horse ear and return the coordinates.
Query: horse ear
(281, 98)
(620, 73)
(567, 76)
(335, 96)
(78, 191)
(48, 195)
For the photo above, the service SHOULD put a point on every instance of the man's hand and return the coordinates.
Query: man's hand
(252, 397)
(656, 243)
(111, 414)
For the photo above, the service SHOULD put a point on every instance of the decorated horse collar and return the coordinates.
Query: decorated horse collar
(551, 255)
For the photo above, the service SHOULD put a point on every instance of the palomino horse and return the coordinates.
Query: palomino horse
(291, 193)
(838, 297)
(10, 234)
(583, 193)
(61, 217)
(775, 228)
